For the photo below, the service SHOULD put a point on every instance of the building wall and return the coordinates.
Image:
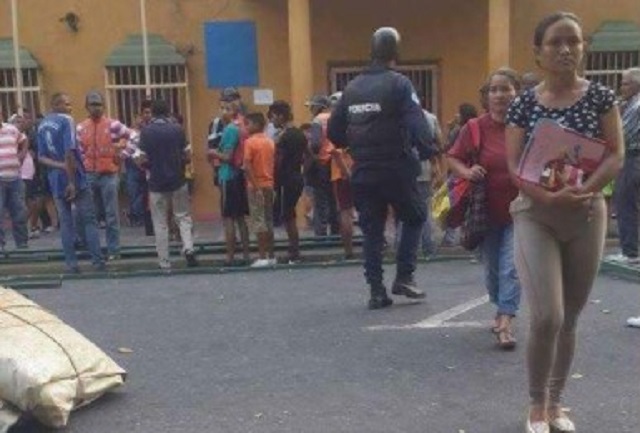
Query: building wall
(525, 15)
(74, 62)
(453, 33)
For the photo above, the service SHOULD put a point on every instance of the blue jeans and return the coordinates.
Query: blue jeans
(501, 277)
(12, 199)
(628, 205)
(372, 201)
(136, 191)
(106, 186)
(86, 221)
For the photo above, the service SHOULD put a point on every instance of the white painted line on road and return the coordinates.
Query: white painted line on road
(452, 313)
(441, 320)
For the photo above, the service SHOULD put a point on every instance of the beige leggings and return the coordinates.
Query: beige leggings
(557, 254)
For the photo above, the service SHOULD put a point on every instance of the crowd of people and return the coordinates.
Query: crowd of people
(373, 149)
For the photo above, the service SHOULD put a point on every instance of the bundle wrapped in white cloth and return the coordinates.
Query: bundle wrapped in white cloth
(47, 368)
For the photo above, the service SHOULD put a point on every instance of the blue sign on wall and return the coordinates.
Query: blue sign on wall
(231, 54)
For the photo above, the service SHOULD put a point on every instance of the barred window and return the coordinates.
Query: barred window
(126, 90)
(423, 76)
(31, 91)
(606, 67)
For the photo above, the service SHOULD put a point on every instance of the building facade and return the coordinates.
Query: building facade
(289, 49)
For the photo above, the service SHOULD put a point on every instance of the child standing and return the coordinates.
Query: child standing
(259, 157)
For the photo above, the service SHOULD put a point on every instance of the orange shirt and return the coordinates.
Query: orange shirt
(327, 146)
(99, 142)
(336, 173)
(259, 156)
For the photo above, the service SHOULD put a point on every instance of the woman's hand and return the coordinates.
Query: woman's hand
(475, 173)
(570, 196)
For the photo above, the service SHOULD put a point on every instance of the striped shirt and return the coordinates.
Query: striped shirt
(631, 124)
(132, 145)
(119, 131)
(10, 141)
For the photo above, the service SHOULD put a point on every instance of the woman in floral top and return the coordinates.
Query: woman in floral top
(559, 235)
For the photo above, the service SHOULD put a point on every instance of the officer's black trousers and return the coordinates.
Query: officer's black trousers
(372, 200)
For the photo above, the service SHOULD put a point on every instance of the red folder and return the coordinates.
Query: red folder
(556, 156)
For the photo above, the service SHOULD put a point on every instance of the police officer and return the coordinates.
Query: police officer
(381, 121)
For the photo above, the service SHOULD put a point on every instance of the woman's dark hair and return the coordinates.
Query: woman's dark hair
(467, 112)
(257, 119)
(281, 108)
(509, 74)
(548, 21)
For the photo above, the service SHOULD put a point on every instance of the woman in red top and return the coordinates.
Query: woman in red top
(497, 248)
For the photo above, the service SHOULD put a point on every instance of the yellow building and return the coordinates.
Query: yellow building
(298, 47)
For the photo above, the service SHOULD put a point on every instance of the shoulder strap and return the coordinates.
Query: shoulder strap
(474, 127)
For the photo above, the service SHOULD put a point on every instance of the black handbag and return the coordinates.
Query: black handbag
(476, 221)
(476, 218)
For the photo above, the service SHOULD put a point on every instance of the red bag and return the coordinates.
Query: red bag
(459, 188)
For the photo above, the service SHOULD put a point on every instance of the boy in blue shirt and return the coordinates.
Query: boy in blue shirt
(233, 190)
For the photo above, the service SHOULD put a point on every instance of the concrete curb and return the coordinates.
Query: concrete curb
(52, 281)
(624, 272)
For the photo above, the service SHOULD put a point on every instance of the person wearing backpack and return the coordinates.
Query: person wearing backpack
(483, 140)
(233, 190)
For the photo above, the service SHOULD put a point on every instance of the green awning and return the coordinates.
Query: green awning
(616, 36)
(27, 61)
(130, 53)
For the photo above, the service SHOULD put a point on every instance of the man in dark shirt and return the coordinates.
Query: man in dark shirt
(291, 145)
(163, 144)
(380, 120)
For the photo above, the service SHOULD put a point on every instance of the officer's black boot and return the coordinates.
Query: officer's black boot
(406, 286)
(379, 298)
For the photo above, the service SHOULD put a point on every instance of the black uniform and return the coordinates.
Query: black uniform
(381, 121)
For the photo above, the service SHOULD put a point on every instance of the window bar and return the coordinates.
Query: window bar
(108, 93)
(187, 108)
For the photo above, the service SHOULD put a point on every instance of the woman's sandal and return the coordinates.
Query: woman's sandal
(496, 324)
(506, 340)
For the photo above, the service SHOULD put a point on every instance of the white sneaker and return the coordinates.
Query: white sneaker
(633, 322)
(622, 259)
(261, 263)
(562, 424)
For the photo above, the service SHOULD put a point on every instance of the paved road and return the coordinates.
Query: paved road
(280, 351)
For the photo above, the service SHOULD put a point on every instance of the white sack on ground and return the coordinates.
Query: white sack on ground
(8, 416)
(47, 368)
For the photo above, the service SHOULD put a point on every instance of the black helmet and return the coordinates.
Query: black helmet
(384, 45)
